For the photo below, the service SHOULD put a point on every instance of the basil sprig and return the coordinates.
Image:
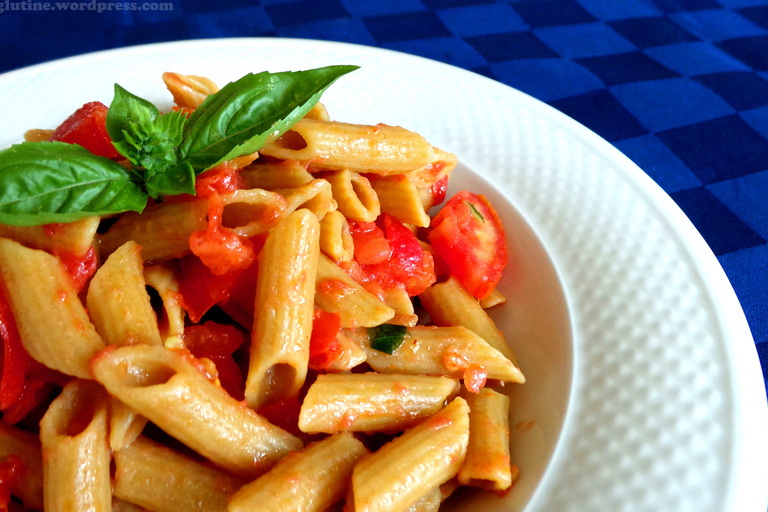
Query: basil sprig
(387, 337)
(45, 182)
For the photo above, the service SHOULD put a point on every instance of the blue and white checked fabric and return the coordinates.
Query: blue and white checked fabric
(680, 86)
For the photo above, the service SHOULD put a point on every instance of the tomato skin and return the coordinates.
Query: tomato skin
(370, 245)
(471, 242)
(87, 126)
(438, 190)
(324, 348)
(200, 288)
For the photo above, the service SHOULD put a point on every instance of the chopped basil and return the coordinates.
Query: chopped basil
(475, 212)
(386, 337)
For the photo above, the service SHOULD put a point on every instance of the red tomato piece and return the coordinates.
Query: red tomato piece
(469, 237)
(200, 288)
(438, 190)
(221, 179)
(217, 342)
(284, 414)
(88, 128)
(11, 468)
(474, 378)
(79, 268)
(370, 245)
(324, 348)
(15, 357)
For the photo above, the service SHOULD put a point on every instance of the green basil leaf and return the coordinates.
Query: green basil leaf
(147, 138)
(45, 182)
(475, 212)
(179, 179)
(240, 118)
(387, 337)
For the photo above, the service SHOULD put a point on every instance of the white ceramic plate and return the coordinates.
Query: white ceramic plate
(644, 390)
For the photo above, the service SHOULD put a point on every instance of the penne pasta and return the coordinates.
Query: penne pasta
(169, 389)
(450, 304)
(407, 468)
(494, 299)
(332, 145)
(372, 402)
(118, 303)
(283, 310)
(276, 175)
(336, 292)
(189, 91)
(310, 480)
(37, 135)
(351, 355)
(74, 238)
(125, 424)
(448, 351)
(52, 322)
(164, 280)
(318, 112)
(400, 198)
(316, 196)
(355, 197)
(25, 446)
(73, 434)
(487, 463)
(160, 479)
(398, 299)
(336, 237)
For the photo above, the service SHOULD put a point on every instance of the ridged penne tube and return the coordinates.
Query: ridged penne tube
(310, 480)
(52, 322)
(163, 230)
(283, 310)
(445, 351)
(487, 463)
(336, 238)
(398, 299)
(450, 304)
(271, 175)
(316, 196)
(25, 446)
(494, 299)
(118, 302)
(409, 467)
(318, 112)
(441, 166)
(160, 479)
(354, 195)
(163, 279)
(189, 91)
(38, 135)
(430, 502)
(332, 145)
(168, 388)
(125, 424)
(119, 505)
(73, 434)
(336, 292)
(399, 197)
(352, 355)
(75, 238)
(372, 402)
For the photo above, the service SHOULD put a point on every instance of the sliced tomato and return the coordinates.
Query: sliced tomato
(217, 342)
(469, 237)
(371, 247)
(200, 288)
(88, 128)
(324, 348)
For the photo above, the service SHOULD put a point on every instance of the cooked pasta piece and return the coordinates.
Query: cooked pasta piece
(355, 197)
(332, 145)
(189, 91)
(276, 175)
(310, 480)
(351, 355)
(74, 238)
(397, 298)
(494, 299)
(118, 302)
(157, 478)
(372, 402)
(169, 388)
(336, 237)
(284, 309)
(316, 196)
(430, 502)
(125, 424)
(52, 322)
(163, 279)
(163, 230)
(25, 446)
(487, 463)
(407, 468)
(400, 198)
(448, 351)
(73, 434)
(37, 135)
(318, 112)
(336, 292)
(119, 505)
(450, 304)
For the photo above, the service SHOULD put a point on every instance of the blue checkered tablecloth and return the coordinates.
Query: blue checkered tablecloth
(680, 86)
